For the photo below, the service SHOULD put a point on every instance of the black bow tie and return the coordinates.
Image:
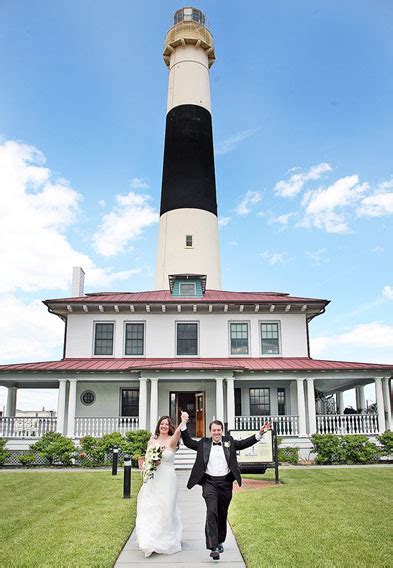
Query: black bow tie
(217, 444)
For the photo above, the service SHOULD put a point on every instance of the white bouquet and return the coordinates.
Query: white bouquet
(152, 461)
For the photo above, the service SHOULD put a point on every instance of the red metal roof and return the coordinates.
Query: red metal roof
(246, 364)
(164, 296)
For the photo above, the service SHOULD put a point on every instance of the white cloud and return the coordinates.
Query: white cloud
(233, 141)
(378, 248)
(369, 336)
(318, 257)
(249, 199)
(321, 204)
(223, 221)
(282, 219)
(387, 292)
(129, 217)
(379, 203)
(36, 210)
(275, 258)
(296, 182)
(138, 183)
(29, 331)
(102, 203)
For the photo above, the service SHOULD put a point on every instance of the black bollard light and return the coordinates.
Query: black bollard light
(127, 477)
(115, 458)
(275, 453)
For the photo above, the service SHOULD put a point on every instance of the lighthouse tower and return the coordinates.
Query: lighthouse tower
(188, 232)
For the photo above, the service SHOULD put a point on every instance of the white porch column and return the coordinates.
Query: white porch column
(231, 403)
(301, 407)
(220, 399)
(360, 399)
(10, 409)
(340, 402)
(153, 403)
(71, 408)
(312, 421)
(61, 408)
(142, 402)
(380, 405)
(387, 405)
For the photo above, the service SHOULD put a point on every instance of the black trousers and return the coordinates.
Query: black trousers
(217, 493)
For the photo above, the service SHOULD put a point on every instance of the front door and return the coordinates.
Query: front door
(194, 404)
(199, 414)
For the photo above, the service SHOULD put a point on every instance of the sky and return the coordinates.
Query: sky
(303, 126)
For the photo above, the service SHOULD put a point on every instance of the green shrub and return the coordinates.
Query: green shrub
(91, 452)
(4, 454)
(27, 459)
(359, 449)
(55, 447)
(351, 449)
(288, 455)
(386, 441)
(137, 440)
(328, 448)
(96, 451)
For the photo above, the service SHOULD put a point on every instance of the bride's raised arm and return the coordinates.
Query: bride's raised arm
(175, 438)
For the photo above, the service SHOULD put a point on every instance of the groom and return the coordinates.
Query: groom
(215, 469)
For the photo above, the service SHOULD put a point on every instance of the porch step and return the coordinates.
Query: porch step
(184, 458)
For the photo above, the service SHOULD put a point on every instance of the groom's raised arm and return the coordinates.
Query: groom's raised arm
(251, 440)
(188, 441)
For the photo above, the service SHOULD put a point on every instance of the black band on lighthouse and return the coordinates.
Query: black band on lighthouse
(188, 179)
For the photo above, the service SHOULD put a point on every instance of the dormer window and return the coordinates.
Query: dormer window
(189, 241)
(187, 285)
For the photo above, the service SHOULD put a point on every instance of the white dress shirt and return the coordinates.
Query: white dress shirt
(217, 464)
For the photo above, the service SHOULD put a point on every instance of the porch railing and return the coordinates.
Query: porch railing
(287, 425)
(99, 426)
(347, 424)
(26, 427)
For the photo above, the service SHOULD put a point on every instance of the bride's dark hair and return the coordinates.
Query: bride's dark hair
(171, 426)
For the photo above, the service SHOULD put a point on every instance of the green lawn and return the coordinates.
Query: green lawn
(328, 517)
(64, 518)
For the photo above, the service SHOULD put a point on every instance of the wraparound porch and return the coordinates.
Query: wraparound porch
(227, 398)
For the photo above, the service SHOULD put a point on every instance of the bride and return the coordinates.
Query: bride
(158, 520)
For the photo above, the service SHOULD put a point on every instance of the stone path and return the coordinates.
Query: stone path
(194, 553)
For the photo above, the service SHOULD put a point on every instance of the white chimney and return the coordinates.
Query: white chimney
(78, 282)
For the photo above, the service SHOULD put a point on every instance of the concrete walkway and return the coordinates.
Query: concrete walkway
(194, 553)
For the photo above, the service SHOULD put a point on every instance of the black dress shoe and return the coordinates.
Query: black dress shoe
(215, 554)
(220, 548)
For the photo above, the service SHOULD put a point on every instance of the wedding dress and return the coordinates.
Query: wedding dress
(158, 520)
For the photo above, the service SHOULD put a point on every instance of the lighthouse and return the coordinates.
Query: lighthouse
(188, 232)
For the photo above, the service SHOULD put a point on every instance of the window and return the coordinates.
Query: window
(188, 240)
(270, 338)
(130, 402)
(103, 341)
(186, 288)
(281, 401)
(260, 402)
(238, 402)
(135, 339)
(88, 398)
(187, 339)
(239, 338)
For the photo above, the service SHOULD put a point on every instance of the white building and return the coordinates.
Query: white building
(242, 357)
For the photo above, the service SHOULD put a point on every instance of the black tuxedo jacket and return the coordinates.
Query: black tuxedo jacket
(203, 447)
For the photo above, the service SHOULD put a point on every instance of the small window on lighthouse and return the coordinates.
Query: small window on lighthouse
(188, 240)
